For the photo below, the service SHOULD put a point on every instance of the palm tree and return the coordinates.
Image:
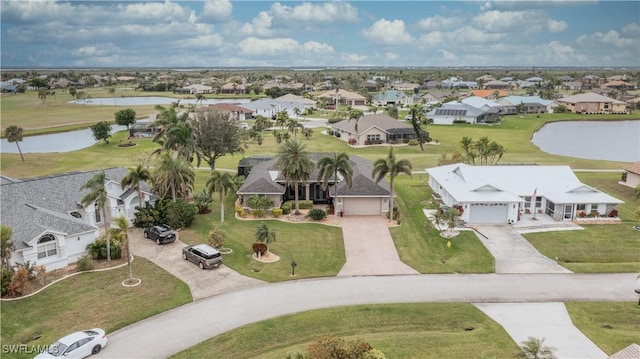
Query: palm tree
(355, 115)
(14, 134)
(133, 179)
(112, 92)
(393, 167)
(331, 166)
(221, 183)
(174, 175)
(417, 119)
(6, 244)
(292, 126)
(98, 195)
(261, 123)
(294, 165)
(534, 348)
(123, 225)
(180, 138)
(264, 234)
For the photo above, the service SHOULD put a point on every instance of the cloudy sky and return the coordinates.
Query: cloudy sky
(222, 33)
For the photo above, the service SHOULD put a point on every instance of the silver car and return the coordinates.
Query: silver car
(203, 255)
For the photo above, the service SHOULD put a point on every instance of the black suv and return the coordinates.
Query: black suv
(203, 255)
(161, 234)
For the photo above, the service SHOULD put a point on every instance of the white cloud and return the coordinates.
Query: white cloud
(439, 22)
(556, 26)
(353, 58)
(209, 40)
(217, 10)
(390, 56)
(609, 39)
(631, 30)
(259, 26)
(308, 12)
(431, 39)
(504, 21)
(388, 33)
(282, 46)
(448, 56)
(317, 47)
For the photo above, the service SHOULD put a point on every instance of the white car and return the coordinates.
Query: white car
(77, 345)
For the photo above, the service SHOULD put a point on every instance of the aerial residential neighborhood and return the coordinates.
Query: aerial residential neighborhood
(320, 180)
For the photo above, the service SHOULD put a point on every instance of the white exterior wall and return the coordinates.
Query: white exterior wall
(633, 180)
(374, 131)
(69, 248)
(448, 120)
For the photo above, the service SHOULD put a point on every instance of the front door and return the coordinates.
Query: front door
(568, 211)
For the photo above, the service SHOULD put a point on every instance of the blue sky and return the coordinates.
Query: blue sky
(223, 33)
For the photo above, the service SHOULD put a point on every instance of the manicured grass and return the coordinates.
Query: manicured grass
(617, 245)
(421, 246)
(426, 330)
(611, 325)
(91, 300)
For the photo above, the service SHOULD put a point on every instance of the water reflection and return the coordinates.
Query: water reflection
(55, 142)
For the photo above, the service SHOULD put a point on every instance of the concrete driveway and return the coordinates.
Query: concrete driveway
(550, 321)
(513, 253)
(203, 283)
(369, 248)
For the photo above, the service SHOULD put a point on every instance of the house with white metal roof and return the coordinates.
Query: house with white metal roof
(451, 112)
(503, 193)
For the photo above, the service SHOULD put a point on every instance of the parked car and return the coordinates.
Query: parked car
(203, 255)
(77, 345)
(161, 234)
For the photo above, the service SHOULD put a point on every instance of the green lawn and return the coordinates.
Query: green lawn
(426, 330)
(90, 300)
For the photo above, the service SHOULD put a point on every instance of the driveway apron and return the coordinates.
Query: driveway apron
(550, 321)
(369, 248)
(202, 283)
(513, 253)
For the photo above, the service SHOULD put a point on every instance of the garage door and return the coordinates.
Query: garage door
(361, 206)
(488, 213)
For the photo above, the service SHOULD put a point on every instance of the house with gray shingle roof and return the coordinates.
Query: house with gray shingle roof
(365, 197)
(392, 97)
(50, 227)
(373, 129)
(593, 103)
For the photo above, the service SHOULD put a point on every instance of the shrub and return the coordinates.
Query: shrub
(30, 268)
(613, 213)
(286, 207)
(6, 276)
(277, 212)
(352, 141)
(202, 201)
(85, 263)
(148, 216)
(306, 204)
(239, 209)
(259, 248)
(317, 214)
(98, 249)
(582, 214)
(216, 239)
(180, 214)
(258, 213)
(413, 142)
(18, 282)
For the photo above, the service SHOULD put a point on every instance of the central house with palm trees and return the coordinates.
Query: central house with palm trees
(364, 195)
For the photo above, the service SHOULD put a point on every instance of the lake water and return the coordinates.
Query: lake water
(597, 140)
(55, 142)
(151, 100)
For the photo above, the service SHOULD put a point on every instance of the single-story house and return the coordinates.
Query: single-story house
(392, 97)
(480, 103)
(373, 129)
(592, 103)
(236, 112)
(530, 104)
(632, 175)
(194, 89)
(233, 88)
(269, 107)
(502, 194)
(496, 85)
(489, 94)
(50, 226)
(451, 112)
(343, 97)
(291, 98)
(365, 197)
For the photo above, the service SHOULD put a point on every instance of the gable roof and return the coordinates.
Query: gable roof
(342, 94)
(559, 184)
(479, 102)
(366, 122)
(516, 100)
(454, 108)
(487, 93)
(390, 95)
(227, 107)
(590, 97)
(295, 98)
(633, 168)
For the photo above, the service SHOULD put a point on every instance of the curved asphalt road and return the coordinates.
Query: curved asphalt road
(172, 331)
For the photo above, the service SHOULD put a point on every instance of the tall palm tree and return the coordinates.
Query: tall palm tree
(292, 126)
(123, 225)
(221, 183)
(133, 179)
(294, 165)
(98, 195)
(173, 176)
(332, 166)
(14, 134)
(418, 118)
(180, 138)
(392, 167)
(6, 244)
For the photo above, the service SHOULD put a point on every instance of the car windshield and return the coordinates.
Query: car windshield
(56, 349)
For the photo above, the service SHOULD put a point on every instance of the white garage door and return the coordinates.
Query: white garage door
(361, 206)
(488, 213)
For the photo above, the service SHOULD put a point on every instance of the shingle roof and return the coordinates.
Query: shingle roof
(366, 122)
(630, 352)
(633, 168)
(590, 97)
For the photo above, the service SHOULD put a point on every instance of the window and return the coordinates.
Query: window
(98, 218)
(594, 208)
(581, 207)
(76, 215)
(47, 246)
(538, 202)
(527, 201)
(375, 137)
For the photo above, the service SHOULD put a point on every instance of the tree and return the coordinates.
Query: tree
(125, 117)
(216, 134)
(133, 179)
(98, 195)
(123, 225)
(14, 134)
(173, 176)
(199, 98)
(261, 123)
(355, 115)
(101, 131)
(332, 166)
(281, 119)
(292, 126)
(6, 244)
(418, 117)
(481, 152)
(392, 167)
(264, 234)
(221, 183)
(392, 111)
(72, 91)
(112, 92)
(294, 165)
(179, 138)
(534, 348)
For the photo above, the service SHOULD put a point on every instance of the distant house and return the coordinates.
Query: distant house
(528, 104)
(451, 112)
(489, 94)
(291, 98)
(365, 197)
(373, 129)
(572, 85)
(481, 103)
(435, 97)
(433, 84)
(343, 97)
(233, 88)
(405, 86)
(50, 226)
(632, 175)
(236, 112)
(268, 107)
(392, 97)
(592, 103)
(496, 85)
(502, 194)
(618, 85)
